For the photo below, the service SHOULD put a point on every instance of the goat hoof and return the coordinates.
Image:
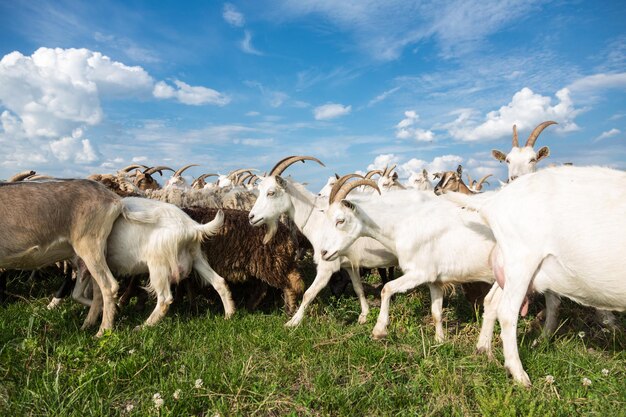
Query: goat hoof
(379, 334)
(484, 351)
(363, 319)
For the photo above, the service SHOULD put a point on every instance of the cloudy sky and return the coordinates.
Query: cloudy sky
(358, 83)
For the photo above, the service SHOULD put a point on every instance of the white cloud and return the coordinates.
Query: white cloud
(232, 16)
(439, 163)
(596, 82)
(246, 44)
(384, 29)
(405, 128)
(253, 113)
(381, 97)
(255, 142)
(608, 134)
(188, 94)
(526, 109)
(331, 111)
(74, 149)
(56, 90)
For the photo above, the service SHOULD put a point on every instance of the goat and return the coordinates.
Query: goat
(238, 254)
(436, 243)
(177, 179)
(160, 239)
(279, 196)
(389, 180)
(419, 181)
(46, 222)
(572, 249)
(144, 180)
(477, 186)
(523, 160)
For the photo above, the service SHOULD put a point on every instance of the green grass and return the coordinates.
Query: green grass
(253, 365)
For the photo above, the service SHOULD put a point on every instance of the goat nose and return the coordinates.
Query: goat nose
(513, 177)
(250, 216)
(324, 253)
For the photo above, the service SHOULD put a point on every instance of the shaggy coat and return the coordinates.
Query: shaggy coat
(237, 253)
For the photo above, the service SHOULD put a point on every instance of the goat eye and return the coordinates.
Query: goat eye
(270, 193)
(340, 221)
(533, 160)
(507, 161)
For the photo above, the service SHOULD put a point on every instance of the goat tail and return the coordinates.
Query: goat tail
(139, 216)
(212, 227)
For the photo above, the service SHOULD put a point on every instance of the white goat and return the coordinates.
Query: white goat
(552, 239)
(160, 239)
(523, 160)
(436, 242)
(278, 196)
(420, 181)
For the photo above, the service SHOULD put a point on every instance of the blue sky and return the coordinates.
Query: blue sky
(90, 88)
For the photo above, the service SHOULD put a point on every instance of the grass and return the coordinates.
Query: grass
(253, 365)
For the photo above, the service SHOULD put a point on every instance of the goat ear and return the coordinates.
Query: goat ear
(280, 181)
(459, 170)
(337, 175)
(543, 152)
(348, 204)
(500, 156)
(425, 173)
(394, 176)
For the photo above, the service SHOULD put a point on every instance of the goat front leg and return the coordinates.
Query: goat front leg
(160, 284)
(324, 272)
(94, 309)
(404, 283)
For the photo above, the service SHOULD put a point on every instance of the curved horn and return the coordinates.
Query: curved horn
(347, 187)
(180, 171)
(389, 170)
(159, 168)
(535, 133)
(21, 176)
(243, 177)
(204, 176)
(133, 166)
(340, 182)
(40, 177)
(373, 172)
(515, 138)
(469, 179)
(233, 174)
(253, 179)
(479, 186)
(286, 162)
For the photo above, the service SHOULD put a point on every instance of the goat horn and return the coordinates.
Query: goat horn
(482, 180)
(180, 171)
(373, 172)
(469, 179)
(535, 133)
(347, 187)
(284, 163)
(40, 177)
(388, 170)
(234, 174)
(253, 179)
(240, 179)
(340, 182)
(21, 176)
(204, 176)
(133, 166)
(160, 168)
(515, 138)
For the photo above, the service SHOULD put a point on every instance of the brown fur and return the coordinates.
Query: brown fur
(238, 254)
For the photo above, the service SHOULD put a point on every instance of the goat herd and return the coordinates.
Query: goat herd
(560, 231)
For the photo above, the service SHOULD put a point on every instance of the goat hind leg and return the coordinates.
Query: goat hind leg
(209, 276)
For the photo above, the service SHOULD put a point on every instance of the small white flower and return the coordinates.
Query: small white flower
(130, 352)
(605, 330)
(129, 407)
(581, 334)
(605, 372)
(586, 382)
(176, 394)
(158, 401)
(198, 383)
(550, 379)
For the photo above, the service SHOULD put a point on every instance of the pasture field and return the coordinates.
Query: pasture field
(329, 366)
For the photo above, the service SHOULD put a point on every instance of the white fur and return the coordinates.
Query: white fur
(304, 209)
(436, 243)
(561, 230)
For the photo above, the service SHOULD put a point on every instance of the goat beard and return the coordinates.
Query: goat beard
(270, 232)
